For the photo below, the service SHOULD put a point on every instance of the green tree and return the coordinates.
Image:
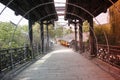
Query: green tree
(36, 33)
(10, 39)
(59, 32)
(85, 26)
(102, 32)
(114, 19)
(68, 31)
(6, 30)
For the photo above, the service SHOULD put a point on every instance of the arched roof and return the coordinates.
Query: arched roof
(84, 8)
(37, 8)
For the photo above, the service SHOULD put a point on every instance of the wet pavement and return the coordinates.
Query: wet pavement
(63, 64)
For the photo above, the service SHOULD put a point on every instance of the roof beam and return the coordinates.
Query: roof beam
(60, 8)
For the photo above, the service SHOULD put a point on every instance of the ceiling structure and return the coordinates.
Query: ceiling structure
(75, 10)
(45, 9)
(42, 9)
(85, 8)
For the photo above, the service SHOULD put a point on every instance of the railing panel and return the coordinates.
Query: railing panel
(11, 58)
(109, 54)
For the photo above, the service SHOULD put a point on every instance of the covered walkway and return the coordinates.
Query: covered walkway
(63, 64)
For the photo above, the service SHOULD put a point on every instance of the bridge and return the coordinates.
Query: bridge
(55, 62)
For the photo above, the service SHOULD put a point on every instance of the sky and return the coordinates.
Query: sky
(103, 18)
(8, 15)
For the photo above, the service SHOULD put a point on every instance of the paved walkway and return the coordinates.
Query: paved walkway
(63, 64)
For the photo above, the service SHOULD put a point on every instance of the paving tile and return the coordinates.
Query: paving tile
(63, 64)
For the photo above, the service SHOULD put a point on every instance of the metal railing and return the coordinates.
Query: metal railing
(11, 58)
(109, 54)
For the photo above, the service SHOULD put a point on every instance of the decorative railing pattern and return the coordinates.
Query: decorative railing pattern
(109, 54)
(11, 58)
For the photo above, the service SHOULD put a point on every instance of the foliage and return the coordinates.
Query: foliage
(115, 21)
(62, 31)
(68, 31)
(51, 31)
(36, 33)
(103, 34)
(8, 39)
(85, 26)
(59, 32)
(11, 39)
(112, 29)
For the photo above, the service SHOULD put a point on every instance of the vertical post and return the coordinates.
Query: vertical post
(42, 36)
(92, 38)
(11, 58)
(31, 35)
(80, 36)
(0, 64)
(75, 35)
(47, 36)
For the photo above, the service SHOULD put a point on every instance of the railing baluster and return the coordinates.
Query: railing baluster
(0, 63)
(24, 54)
(111, 55)
(11, 58)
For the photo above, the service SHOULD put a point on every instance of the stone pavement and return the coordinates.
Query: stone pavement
(63, 64)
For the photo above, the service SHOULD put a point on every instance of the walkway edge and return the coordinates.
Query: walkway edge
(17, 70)
(114, 71)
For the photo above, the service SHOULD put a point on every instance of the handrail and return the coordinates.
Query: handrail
(112, 56)
(11, 58)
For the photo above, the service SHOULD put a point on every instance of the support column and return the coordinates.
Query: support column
(80, 36)
(75, 36)
(31, 35)
(92, 40)
(47, 36)
(42, 36)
